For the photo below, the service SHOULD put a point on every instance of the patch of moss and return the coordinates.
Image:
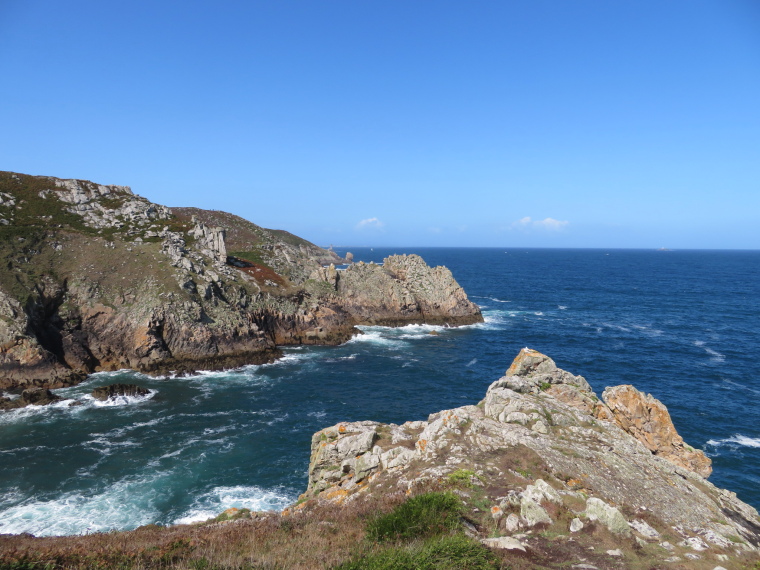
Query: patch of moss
(462, 477)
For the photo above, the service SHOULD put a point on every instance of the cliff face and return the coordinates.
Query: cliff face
(541, 456)
(97, 278)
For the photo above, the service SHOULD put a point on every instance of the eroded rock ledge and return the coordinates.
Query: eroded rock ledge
(544, 451)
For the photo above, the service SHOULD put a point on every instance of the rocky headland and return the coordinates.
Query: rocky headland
(98, 278)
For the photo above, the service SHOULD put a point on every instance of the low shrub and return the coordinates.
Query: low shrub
(425, 515)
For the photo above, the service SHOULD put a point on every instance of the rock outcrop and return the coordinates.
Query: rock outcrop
(403, 290)
(542, 451)
(99, 278)
(29, 397)
(104, 393)
(648, 420)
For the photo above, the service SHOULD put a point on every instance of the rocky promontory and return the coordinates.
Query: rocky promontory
(542, 462)
(98, 278)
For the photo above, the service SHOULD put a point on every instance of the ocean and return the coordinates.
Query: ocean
(681, 325)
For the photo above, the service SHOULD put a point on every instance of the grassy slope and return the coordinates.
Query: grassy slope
(387, 530)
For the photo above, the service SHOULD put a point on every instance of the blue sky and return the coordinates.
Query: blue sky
(583, 123)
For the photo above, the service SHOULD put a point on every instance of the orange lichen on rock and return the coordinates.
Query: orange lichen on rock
(647, 419)
(337, 495)
(525, 360)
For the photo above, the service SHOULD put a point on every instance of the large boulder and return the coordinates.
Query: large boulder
(29, 397)
(532, 372)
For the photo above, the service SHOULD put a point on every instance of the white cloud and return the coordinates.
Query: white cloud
(373, 223)
(551, 224)
(522, 222)
(547, 224)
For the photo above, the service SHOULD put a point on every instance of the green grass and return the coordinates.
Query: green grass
(26, 565)
(453, 552)
(422, 516)
(252, 256)
(461, 477)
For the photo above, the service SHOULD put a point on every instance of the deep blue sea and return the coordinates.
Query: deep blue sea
(682, 325)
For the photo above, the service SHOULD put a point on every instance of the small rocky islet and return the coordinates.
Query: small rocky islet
(546, 473)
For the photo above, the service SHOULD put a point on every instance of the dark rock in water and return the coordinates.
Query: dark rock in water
(104, 392)
(29, 397)
(38, 397)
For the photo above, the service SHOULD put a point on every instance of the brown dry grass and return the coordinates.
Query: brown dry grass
(319, 537)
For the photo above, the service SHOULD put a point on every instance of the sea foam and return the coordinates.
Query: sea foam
(214, 502)
(736, 440)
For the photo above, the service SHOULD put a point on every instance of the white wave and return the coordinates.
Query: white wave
(741, 386)
(715, 356)
(182, 447)
(214, 502)
(104, 444)
(287, 358)
(416, 336)
(735, 441)
(498, 317)
(650, 331)
(123, 505)
(471, 362)
(616, 327)
(277, 420)
(220, 429)
(49, 411)
(117, 400)
(25, 449)
(174, 453)
(121, 431)
(245, 374)
(379, 336)
(11, 496)
(494, 299)
(319, 415)
(562, 307)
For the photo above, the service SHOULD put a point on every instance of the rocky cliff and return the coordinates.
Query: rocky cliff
(97, 278)
(542, 463)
